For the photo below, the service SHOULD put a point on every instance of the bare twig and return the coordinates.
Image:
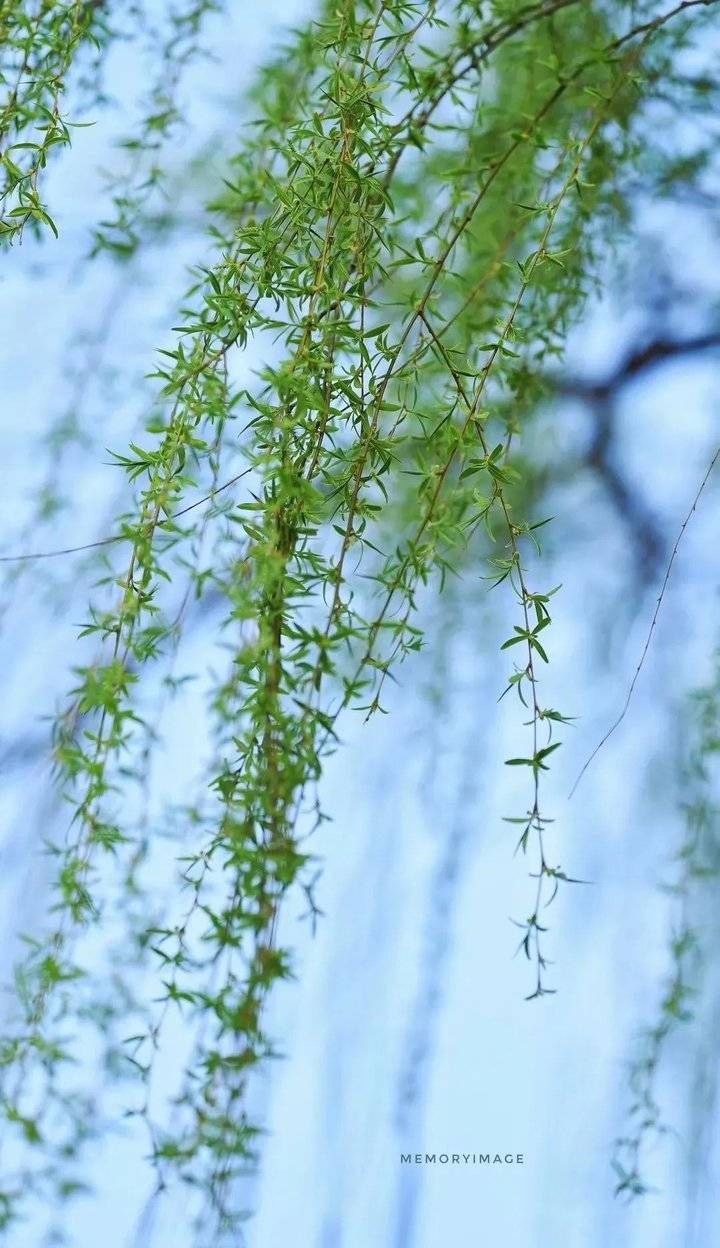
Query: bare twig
(653, 622)
(122, 537)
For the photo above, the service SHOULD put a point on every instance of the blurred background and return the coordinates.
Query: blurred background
(406, 1028)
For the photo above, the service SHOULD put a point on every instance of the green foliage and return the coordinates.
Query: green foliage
(405, 238)
(40, 43)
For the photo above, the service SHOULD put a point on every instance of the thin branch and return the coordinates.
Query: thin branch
(653, 622)
(639, 360)
(122, 537)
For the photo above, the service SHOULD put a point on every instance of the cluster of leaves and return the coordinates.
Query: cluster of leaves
(49, 48)
(40, 44)
(138, 190)
(406, 240)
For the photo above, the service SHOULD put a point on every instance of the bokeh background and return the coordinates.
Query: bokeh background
(406, 1028)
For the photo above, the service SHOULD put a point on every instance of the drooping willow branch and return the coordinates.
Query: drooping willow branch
(697, 865)
(414, 225)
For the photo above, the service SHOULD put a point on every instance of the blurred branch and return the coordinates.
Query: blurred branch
(636, 363)
(601, 396)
